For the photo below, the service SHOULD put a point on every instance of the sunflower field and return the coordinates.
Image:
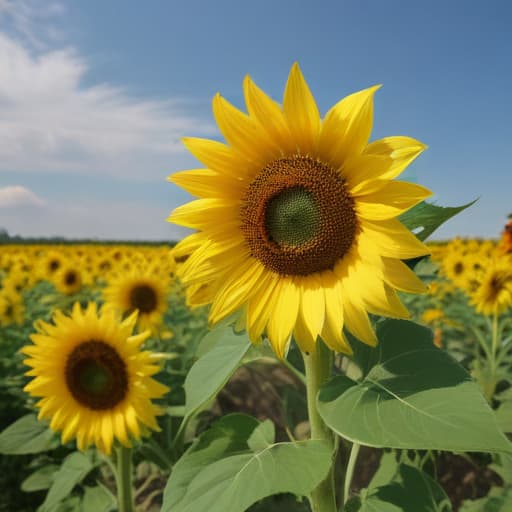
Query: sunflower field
(304, 349)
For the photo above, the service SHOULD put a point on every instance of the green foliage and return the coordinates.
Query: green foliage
(221, 472)
(27, 435)
(425, 217)
(409, 490)
(410, 395)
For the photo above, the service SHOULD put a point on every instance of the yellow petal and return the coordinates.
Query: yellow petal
(208, 183)
(393, 240)
(398, 275)
(393, 199)
(237, 290)
(401, 150)
(301, 112)
(332, 332)
(217, 156)
(312, 304)
(357, 322)
(269, 115)
(259, 306)
(203, 212)
(283, 315)
(347, 127)
(242, 133)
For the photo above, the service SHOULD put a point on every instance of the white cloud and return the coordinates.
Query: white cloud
(50, 121)
(16, 195)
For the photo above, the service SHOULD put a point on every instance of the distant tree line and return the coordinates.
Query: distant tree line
(6, 239)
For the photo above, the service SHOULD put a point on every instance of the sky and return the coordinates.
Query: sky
(95, 97)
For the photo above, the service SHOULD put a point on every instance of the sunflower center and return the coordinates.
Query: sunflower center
(70, 278)
(298, 217)
(458, 268)
(54, 265)
(96, 375)
(292, 217)
(143, 297)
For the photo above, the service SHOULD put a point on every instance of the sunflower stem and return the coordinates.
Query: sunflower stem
(124, 476)
(354, 452)
(318, 368)
(491, 387)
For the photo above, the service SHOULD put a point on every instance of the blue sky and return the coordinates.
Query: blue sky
(96, 95)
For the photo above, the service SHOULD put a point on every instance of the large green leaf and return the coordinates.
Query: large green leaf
(72, 471)
(411, 395)
(425, 217)
(220, 473)
(98, 499)
(40, 479)
(27, 435)
(211, 371)
(411, 490)
(226, 436)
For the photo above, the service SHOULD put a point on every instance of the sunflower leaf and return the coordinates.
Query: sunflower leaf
(220, 473)
(425, 217)
(211, 371)
(73, 470)
(27, 435)
(410, 490)
(411, 395)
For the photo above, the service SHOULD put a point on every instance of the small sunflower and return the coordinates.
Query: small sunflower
(12, 309)
(94, 382)
(51, 263)
(494, 294)
(145, 292)
(68, 280)
(296, 218)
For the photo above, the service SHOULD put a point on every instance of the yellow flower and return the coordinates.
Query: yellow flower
(94, 382)
(142, 291)
(431, 316)
(296, 219)
(494, 295)
(12, 309)
(68, 280)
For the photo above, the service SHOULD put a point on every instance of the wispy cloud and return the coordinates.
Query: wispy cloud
(14, 196)
(51, 121)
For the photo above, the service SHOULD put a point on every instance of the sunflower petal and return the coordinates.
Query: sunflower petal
(393, 199)
(347, 127)
(283, 315)
(301, 112)
(242, 133)
(268, 114)
(217, 156)
(401, 150)
(393, 240)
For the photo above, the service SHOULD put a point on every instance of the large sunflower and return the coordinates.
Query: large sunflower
(94, 382)
(297, 216)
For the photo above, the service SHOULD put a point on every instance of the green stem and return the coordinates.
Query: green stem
(493, 363)
(124, 480)
(318, 369)
(354, 452)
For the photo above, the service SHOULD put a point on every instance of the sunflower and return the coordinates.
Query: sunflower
(51, 263)
(145, 292)
(296, 218)
(68, 280)
(494, 294)
(12, 309)
(94, 382)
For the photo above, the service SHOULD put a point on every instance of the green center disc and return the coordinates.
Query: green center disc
(292, 217)
(94, 378)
